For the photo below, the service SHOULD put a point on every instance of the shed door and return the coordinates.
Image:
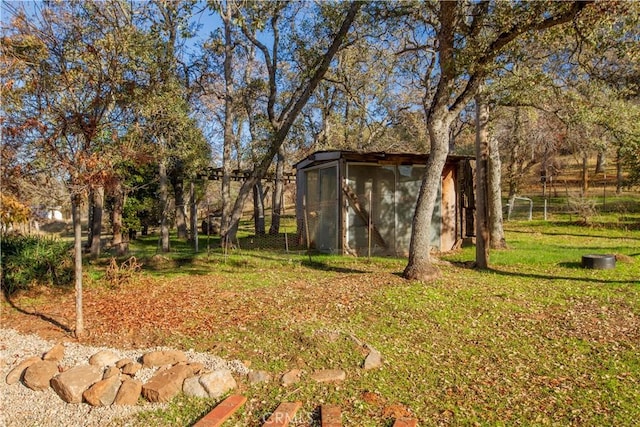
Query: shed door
(322, 208)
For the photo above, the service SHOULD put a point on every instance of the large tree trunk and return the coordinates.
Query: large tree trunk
(177, 181)
(601, 161)
(97, 207)
(117, 242)
(419, 266)
(276, 203)
(164, 205)
(258, 209)
(482, 159)
(226, 227)
(496, 229)
(77, 251)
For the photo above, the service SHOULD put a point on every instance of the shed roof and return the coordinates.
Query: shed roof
(320, 157)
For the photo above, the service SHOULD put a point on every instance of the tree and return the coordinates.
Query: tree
(69, 74)
(467, 40)
(282, 109)
(163, 110)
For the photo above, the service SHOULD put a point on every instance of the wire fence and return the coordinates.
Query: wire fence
(571, 207)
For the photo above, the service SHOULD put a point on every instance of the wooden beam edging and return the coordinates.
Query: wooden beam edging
(222, 412)
(330, 416)
(405, 422)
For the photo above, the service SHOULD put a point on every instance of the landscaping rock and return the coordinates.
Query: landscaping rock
(102, 393)
(257, 377)
(16, 373)
(70, 384)
(165, 357)
(38, 375)
(373, 359)
(192, 387)
(329, 375)
(131, 368)
(110, 372)
(56, 354)
(122, 362)
(218, 382)
(196, 367)
(164, 385)
(104, 358)
(129, 392)
(291, 377)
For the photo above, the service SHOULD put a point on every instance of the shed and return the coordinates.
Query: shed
(359, 203)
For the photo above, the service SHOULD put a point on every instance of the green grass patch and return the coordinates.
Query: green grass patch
(534, 340)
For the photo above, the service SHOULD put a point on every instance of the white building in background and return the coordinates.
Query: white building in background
(55, 213)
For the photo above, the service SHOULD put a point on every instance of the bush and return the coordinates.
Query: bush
(28, 260)
(585, 208)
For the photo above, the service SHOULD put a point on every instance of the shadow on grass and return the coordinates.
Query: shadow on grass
(570, 264)
(552, 277)
(41, 316)
(317, 265)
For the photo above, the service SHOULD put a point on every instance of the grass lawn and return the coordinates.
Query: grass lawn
(535, 340)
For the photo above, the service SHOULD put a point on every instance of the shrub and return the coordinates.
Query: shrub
(28, 260)
(585, 208)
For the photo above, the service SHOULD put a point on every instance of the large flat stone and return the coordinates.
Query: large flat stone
(38, 375)
(129, 392)
(218, 382)
(192, 387)
(56, 353)
(16, 373)
(164, 357)
(164, 385)
(72, 383)
(102, 393)
(104, 358)
(329, 375)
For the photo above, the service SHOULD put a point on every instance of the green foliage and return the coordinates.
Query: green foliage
(28, 260)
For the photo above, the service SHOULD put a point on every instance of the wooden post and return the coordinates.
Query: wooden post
(306, 225)
(369, 227)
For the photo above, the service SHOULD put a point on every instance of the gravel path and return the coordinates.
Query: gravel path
(22, 407)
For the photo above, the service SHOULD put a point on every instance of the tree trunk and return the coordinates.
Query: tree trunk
(600, 162)
(164, 205)
(97, 207)
(77, 250)
(585, 173)
(482, 159)
(228, 138)
(619, 176)
(117, 242)
(419, 266)
(177, 181)
(276, 203)
(193, 216)
(496, 230)
(287, 117)
(90, 200)
(258, 209)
